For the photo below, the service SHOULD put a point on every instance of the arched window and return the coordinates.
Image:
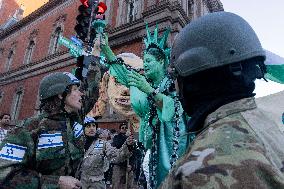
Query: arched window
(132, 10)
(129, 11)
(9, 60)
(15, 109)
(1, 53)
(54, 46)
(1, 96)
(190, 8)
(29, 52)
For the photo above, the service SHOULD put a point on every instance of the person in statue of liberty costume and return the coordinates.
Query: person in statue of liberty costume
(154, 100)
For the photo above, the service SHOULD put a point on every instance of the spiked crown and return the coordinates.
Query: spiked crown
(154, 41)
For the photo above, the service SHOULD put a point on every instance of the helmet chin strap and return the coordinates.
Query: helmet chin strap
(236, 69)
(63, 98)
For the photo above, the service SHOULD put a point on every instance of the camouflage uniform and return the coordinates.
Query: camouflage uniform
(240, 148)
(96, 162)
(46, 147)
(38, 153)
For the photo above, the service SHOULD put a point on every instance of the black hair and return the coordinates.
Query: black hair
(123, 124)
(54, 104)
(95, 123)
(112, 131)
(3, 114)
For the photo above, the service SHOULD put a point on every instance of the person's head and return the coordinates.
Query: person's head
(90, 127)
(156, 54)
(119, 96)
(216, 56)
(154, 63)
(104, 134)
(5, 119)
(112, 131)
(123, 128)
(60, 92)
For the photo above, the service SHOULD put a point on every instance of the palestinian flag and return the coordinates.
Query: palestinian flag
(275, 67)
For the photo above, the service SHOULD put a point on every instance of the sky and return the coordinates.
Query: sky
(267, 19)
(30, 7)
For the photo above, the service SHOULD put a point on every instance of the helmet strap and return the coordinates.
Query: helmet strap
(236, 69)
(64, 95)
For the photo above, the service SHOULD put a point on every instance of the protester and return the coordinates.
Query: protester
(217, 59)
(122, 172)
(46, 151)
(154, 100)
(5, 120)
(118, 95)
(98, 155)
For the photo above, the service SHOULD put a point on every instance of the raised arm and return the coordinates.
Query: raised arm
(117, 68)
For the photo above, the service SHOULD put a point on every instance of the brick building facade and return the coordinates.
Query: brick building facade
(29, 48)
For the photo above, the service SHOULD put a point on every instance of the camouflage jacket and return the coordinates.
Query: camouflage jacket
(240, 148)
(36, 154)
(97, 158)
(43, 148)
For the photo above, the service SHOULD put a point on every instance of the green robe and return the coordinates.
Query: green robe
(141, 107)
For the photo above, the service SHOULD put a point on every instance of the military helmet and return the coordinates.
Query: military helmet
(56, 83)
(214, 40)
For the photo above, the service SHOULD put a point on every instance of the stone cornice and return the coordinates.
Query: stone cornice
(59, 60)
(30, 18)
(165, 12)
(214, 5)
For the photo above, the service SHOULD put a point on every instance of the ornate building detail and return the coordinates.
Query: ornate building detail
(1, 96)
(11, 55)
(29, 52)
(126, 27)
(17, 100)
(214, 5)
(60, 20)
(33, 34)
(129, 11)
(1, 53)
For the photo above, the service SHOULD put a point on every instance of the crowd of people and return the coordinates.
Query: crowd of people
(198, 120)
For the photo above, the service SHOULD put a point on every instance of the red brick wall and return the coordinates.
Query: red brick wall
(45, 28)
(135, 47)
(7, 10)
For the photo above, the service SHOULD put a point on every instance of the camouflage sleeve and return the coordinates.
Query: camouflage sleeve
(91, 86)
(18, 161)
(117, 155)
(228, 154)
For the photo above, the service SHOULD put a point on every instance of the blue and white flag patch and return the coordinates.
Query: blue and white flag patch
(13, 152)
(78, 130)
(72, 77)
(99, 145)
(50, 140)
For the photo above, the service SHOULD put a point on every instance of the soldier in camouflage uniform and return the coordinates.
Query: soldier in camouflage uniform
(217, 59)
(46, 151)
(99, 154)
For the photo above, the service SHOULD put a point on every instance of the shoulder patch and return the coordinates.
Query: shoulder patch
(78, 129)
(50, 140)
(99, 145)
(13, 152)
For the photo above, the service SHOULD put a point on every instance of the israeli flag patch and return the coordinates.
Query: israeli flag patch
(99, 145)
(50, 141)
(72, 77)
(13, 152)
(78, 130)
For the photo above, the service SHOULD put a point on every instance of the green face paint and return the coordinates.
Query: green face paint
(153, 69)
